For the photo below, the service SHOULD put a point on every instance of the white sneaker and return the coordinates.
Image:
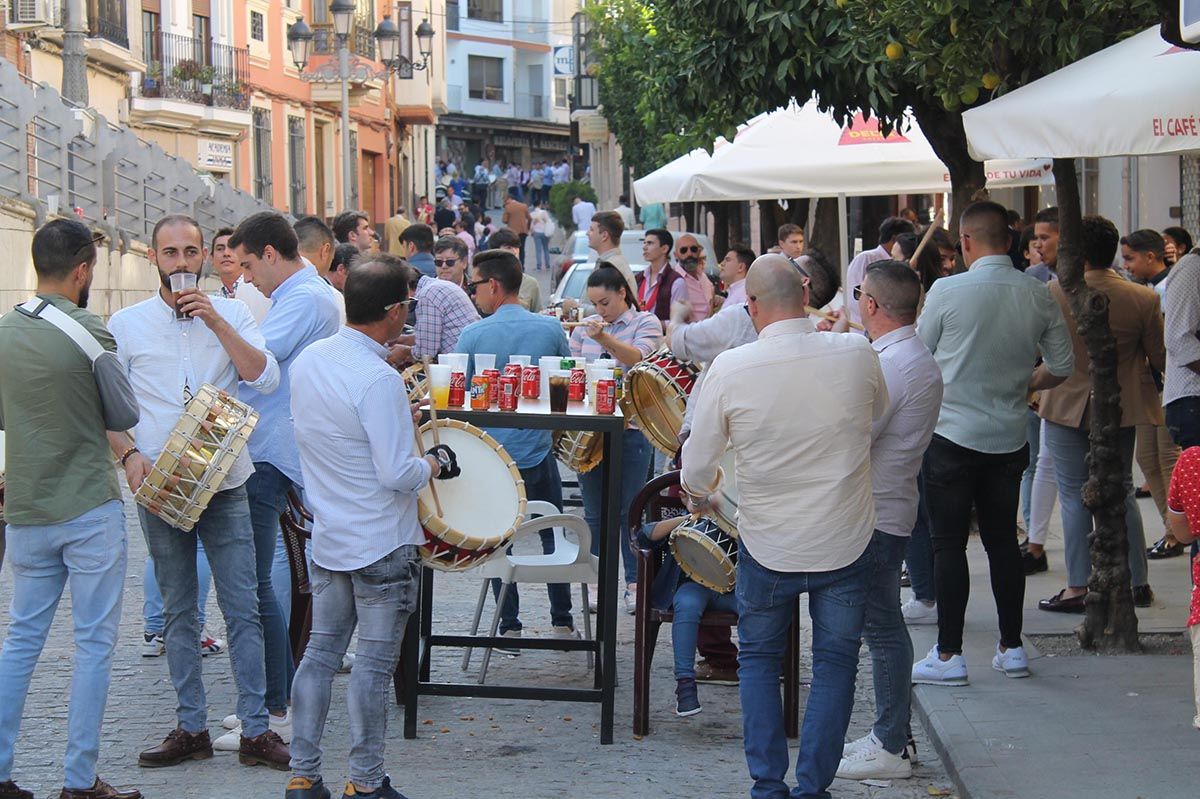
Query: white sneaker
(870, 761)
(932, 670)
(854, 746)
(231, 722)
(631, 599)
(232, 740)
(1196, 721)
(568, 633)
(1013, 662)
(282, 725)
(512, 653)
(917, 612)
(152, 645)
(347, 663)
(593, 597)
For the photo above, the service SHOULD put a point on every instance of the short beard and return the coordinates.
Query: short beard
(83, 296)
(690, 264)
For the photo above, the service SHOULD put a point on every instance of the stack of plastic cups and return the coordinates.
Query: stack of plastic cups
(548, 364)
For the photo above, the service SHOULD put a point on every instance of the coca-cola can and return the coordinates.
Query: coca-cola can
(531, 382)
(512, 369)
(493, 378)
(577, 388)
(510, 392)
(458, 389)
(606, 396)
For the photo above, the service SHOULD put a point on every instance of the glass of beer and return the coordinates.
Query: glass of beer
(181, 282)
(439, 385)
(560, 381)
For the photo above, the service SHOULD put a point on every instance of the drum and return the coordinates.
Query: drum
(578, 450)
(199, 453)
(415, 381)
(725, 501)
(658, 389)
(706, 554)
(481, 508)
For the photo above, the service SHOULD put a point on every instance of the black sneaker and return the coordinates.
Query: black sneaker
(304, 788)
(1033, 564)
(687, 700)
(1143, 597)
(385, 791)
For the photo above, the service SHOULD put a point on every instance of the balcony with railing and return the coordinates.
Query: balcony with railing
(107, 39)
(192, 83)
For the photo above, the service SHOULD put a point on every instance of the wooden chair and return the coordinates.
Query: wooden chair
(659, 500)
(292, 522)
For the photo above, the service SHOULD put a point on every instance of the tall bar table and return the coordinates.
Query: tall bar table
(419, 639)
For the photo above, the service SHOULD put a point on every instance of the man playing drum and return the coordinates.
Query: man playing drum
(168, 360)
(805, 512)
(356, 454)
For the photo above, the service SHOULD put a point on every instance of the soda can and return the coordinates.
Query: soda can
(531, 382)
(493, 378)
(479, 393)
(606, 396)
(458, 389)
(513, 369)
(510, 392)
(619, 379)
(567, 364)
(578, 386)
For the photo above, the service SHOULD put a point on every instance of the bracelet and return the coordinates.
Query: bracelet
(127, 453)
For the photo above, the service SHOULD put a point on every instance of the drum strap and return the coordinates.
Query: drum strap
(41, 309)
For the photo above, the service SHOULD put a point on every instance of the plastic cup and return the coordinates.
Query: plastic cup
(483, 362)
(181, 282)
(457, 361)
(439, 385)
(548, 364)
(560, 383)
(524, 360)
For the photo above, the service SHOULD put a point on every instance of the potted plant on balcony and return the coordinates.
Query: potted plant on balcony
(187, 70)
(151, 80)
(206, 79)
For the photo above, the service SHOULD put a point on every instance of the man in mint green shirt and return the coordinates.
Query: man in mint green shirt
(63, 506)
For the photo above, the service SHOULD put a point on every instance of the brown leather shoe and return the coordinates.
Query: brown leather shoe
(10, 790)
(267, 749)
(180, 745)
(101, 790)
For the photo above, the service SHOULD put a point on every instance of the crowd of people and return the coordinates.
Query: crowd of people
(491, 182)
(860, 454)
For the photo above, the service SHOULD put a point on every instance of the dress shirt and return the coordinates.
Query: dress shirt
(735, 293)
(168, 361)
(443, 310)
(469, 240)
(985, 328)
(512, 330)
(423, 263)
(639, 329)
(618, 259)
(1041, 272)
(248, 293)
(581, 214)
(303, 310)
(900, 437)
(1182, 328)
(361, 473)
(702, 341)
(856, 272)
(562, 174)
(797, 406)
(696, 289)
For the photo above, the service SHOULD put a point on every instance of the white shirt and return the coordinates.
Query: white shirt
(797, 406)
(704, 340)
(856, 272)
(626, 216)
(255, 300)
(168, 361)
(361, 475)
(900, 437)
(582, 213)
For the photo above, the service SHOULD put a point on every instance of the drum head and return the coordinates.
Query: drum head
(658, 405)
(480, 508)
(705, 554)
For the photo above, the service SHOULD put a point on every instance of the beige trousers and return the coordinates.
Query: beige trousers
(1156, 454)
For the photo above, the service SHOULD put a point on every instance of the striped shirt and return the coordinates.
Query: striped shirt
(1181, 304)
(443, 310)
(639, 329)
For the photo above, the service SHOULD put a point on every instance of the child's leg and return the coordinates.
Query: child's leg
(690, 601)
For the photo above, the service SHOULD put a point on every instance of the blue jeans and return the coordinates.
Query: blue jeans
(635, 460)
(541, 244)
(90, 551)
(266, 492)
(1033, 435)
(836, 604)
(378, 599)
(228, 538)
(690, 602)
(920, 550)
(887, 638)
(1069, 446)
(152, 604)
(542, 482)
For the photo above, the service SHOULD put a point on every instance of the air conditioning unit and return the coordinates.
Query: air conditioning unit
(27, 15)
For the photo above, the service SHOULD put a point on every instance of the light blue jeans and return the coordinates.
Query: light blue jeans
(690, 602)
(1033, 435)
(228, 538)
(836, 604)
(542, 246)
(635, 460)
(90, 551)
(1069, 446)
(378, 599)
(266, 493)
(887, 638)
(152, 604)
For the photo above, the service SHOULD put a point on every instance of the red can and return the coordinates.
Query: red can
(458, 389)
(513, 369)
(531, 382)
(493, 378)
(479, 393)
(606, 396)
(578, 385)
(510, 392)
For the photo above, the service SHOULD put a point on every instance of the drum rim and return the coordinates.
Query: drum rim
(435, 528)
(726, 565)
(660, 430)
(593, 452)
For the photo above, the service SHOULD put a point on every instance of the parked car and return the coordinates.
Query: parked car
(577, 253)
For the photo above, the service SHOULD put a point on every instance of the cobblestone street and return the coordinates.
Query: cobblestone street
(465, 747)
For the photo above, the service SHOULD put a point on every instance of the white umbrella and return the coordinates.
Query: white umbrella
(662, 185)
(1134, 98)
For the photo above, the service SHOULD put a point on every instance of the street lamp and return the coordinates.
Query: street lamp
(388, 36)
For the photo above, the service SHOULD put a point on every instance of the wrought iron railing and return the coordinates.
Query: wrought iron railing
(196, 70)
(361, 41)
(107, 20)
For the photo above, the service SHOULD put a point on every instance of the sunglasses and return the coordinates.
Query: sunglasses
(682, 250)
(471, 286)
(439, 263)
(407, 303)
(859, 293)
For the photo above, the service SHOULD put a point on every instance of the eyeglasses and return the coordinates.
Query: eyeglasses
(859, 294)
(439, 263)
(682, 250)
(407, 303)
(471, 286)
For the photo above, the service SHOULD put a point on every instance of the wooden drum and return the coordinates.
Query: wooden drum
(578, 450)
(657, 389)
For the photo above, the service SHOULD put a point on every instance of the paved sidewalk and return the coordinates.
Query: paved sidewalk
(1081, 727)
(465, 748)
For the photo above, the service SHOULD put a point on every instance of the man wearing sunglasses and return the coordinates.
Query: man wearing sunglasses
(691, 297)
(892, 228)
(450, 258)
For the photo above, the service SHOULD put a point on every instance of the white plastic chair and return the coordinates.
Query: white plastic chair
(570, 562)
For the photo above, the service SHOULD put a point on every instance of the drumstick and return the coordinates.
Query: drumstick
(572, 325)
(937, 223)
(437, 502)
(829, 317)
(437, 438)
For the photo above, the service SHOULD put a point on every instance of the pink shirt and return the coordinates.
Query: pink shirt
(699, 292)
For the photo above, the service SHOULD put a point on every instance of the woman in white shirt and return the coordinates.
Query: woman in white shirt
(541, 226)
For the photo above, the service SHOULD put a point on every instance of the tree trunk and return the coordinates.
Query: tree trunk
(1110, 624)
(946, 135)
